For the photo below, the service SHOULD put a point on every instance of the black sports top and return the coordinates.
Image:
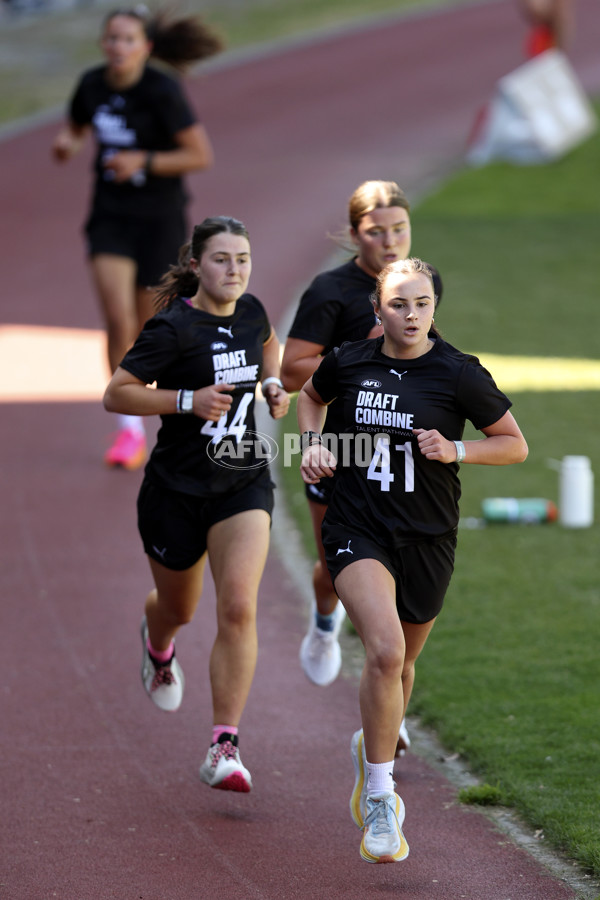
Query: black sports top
(183, 347)
(143, 117)
(336, 308)
(397, 495)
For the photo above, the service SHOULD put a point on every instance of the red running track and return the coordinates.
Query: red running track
(101, 797)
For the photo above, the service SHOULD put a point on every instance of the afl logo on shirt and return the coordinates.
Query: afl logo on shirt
(254, 450)
(370, 382)
(218, 345)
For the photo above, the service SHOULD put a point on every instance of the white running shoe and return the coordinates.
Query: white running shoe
(383, 841)
(359, 760)
(163, 683)
(223, 767)
(320, 651)
(359, 794)
(403, 740)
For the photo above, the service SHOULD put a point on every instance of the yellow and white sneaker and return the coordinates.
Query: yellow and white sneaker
(383, 841)
(359, 760)
(359, 793)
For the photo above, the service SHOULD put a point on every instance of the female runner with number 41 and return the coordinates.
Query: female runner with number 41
(390, 529)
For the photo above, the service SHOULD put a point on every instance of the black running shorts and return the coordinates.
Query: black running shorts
(421, 571)
(152, 243)
(174, 526)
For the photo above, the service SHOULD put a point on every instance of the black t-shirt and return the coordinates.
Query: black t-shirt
(183, 347)
(144, 117)
(394, 494)
(336, 308)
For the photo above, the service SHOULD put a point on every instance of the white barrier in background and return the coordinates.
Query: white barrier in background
(538, 113)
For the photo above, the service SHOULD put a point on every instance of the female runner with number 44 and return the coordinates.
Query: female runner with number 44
(390, 529)
(207, 491)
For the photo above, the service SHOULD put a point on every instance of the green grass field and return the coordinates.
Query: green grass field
(510, 678)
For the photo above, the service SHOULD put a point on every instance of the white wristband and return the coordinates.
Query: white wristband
(185, 402)
(460, 451)
(271, 380)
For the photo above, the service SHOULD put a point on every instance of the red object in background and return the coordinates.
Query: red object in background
(539, 39)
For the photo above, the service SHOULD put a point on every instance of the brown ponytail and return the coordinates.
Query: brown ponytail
(182, 42)
(178, 42)
(179, 281)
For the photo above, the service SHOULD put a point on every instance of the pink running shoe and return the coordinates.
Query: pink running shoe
(128, 450)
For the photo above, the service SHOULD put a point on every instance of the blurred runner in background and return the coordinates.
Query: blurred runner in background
(147, 138)
(552, 25)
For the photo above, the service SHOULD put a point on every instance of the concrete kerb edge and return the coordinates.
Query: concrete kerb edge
(425, 744)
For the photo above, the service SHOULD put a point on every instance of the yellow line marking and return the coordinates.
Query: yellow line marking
(542, 373)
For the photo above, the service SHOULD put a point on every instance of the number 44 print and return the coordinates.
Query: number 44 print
(217, 430)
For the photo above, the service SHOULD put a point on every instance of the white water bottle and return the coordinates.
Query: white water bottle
(576, 503)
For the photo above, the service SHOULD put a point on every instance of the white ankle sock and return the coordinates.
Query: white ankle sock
(380, 778)
(132, 423)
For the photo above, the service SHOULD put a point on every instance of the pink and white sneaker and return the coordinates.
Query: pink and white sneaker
(223, 767)
(164, 683)
(128, 451)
